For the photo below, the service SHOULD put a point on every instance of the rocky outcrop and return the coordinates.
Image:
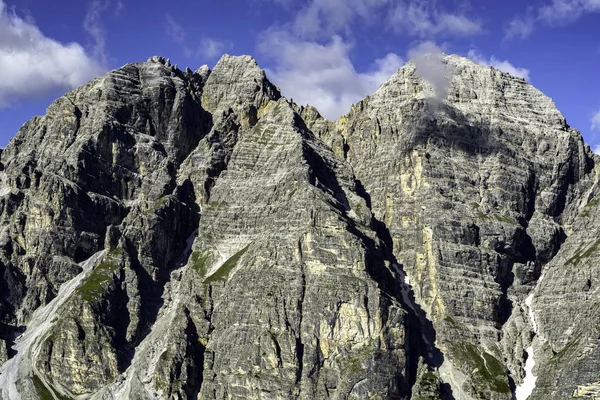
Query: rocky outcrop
(170, 234)
(566, 308)
(476, 192)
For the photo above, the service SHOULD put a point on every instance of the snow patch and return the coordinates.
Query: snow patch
(28, 345)
(528, 302)
(524, 390)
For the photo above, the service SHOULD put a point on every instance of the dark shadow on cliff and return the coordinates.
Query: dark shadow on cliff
(151, 282)
(420, 331)
(441, 126)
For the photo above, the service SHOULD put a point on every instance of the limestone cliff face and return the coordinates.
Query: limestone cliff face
(170, 234)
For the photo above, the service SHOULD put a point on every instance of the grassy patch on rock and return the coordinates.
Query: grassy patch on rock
(43, 392)
(199, 261)
(95, 284)
(488, 372)
(356, 362)
(567, 350)
(581, 254)
(222, 274)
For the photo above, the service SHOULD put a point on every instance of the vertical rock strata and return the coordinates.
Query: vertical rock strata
(213, 240)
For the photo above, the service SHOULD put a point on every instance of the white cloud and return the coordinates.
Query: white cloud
(428, 59)
(561, 12)
(33, 64)
(311, 53)
(555, 13)
(596, 149)
(92, 24)
(520, 27)
(321, 18)
(421, 18)
(502, 65)
(424, 19)
(209, 47)
(175, 31)
(213, 48)
(595, 121)
(325, 77)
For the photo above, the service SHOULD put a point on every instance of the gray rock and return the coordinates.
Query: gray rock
(170, 234)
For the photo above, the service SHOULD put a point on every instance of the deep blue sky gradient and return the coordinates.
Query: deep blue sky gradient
(562, 59)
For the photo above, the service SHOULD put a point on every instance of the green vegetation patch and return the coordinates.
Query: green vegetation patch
(505, 218)
(355, 363)
(580, 254)
(594, 202)
(487, 370)
(217, 205)
(429, 387)
(568, 349)
(157, 205)
(199, 261)
(222, 274)
(43, 392)
(430, 377)
(452, 322)
(591, 204)
(94, 286)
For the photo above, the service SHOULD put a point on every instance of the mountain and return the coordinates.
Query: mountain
(172, 234)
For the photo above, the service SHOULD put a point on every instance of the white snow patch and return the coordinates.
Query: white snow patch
(528, 301)
(4, 190)
(28, 345)
(524, 390)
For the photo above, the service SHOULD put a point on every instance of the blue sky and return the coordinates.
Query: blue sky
(329, 53)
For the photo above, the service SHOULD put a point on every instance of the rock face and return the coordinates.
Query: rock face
(182, 235)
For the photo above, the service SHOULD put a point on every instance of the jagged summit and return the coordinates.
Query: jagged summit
(178, 234)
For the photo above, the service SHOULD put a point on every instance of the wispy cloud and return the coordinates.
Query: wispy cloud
(425, 19)
(502, 65)
(554, 13)
(323, 18)
(208, 47)
(213, 48)
(520, 27)
(326, 77)
(33, 64)
(92, 24)
(320, 19)
(595, 121)
(175, 31)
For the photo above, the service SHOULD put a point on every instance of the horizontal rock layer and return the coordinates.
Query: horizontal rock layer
(170, 234)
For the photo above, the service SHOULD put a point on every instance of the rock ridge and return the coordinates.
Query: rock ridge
(242, 246)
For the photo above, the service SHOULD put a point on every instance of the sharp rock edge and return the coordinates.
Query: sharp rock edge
(251, 248)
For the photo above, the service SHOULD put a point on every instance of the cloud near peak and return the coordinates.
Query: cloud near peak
(326, 78)
(502, 65)
(33, 64)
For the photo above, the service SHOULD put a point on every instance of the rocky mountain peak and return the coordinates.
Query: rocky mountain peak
(177, 234)
(238, 82)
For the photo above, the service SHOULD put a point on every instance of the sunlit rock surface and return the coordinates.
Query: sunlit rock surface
(182, 235)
